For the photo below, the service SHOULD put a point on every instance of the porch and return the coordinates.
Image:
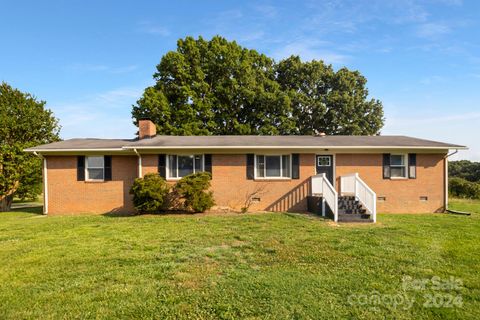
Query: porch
(355, 203)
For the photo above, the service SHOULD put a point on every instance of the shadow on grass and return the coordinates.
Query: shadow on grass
(38, 210)
(122, 214)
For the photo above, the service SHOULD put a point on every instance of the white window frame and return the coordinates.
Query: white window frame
(404, 166)
(265, 168)
(87, 176)
(167, 164)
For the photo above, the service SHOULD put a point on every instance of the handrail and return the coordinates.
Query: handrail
(329, 194)
(362, 192)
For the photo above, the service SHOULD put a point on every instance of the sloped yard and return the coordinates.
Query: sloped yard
(239, 266)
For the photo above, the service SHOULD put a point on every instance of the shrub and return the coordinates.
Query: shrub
(149, 193)
(193, 190)
(462, 188)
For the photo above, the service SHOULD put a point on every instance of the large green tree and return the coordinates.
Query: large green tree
(327, 101)
(217, 87)
(24, 122)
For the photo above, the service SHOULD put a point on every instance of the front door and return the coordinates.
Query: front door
(324, 164)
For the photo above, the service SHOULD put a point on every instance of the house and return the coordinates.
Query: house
(341, 176)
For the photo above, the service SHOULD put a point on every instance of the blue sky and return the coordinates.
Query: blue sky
(91, 60)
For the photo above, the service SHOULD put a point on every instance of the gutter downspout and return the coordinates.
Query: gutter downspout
(139, 162)
(446, 177)
(45, 182)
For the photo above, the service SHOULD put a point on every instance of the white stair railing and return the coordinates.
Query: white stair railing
(351, 184)
(321, 186)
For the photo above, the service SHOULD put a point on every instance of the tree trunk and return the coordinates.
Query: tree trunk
(6, 203)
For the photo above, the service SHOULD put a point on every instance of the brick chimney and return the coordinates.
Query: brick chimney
(146, 129)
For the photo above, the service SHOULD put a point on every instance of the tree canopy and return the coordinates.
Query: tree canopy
(24, 122)
(465, 169)
(217, 87)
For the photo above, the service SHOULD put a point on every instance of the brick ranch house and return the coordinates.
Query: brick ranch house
(346, 177)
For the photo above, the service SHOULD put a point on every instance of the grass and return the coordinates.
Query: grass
(268, 266)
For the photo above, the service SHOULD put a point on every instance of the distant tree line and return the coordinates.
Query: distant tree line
(464, 179)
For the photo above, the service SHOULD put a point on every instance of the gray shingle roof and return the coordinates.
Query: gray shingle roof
(162, 142)
(86, 144)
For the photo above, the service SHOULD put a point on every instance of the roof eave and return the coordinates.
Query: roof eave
(294, 147)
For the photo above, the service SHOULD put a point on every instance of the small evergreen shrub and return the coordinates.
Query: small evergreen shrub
(462, 188)
(150, 193)
(193, 190)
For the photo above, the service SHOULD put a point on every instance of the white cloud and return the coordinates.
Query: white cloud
(433, 80)
(432, 30)
(310, 50)
(267, 11)
(86, 67)
(457, 128)
(101, 115)
(153, 29)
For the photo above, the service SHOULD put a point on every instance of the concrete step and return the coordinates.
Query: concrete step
(352, 211)
(354, 218)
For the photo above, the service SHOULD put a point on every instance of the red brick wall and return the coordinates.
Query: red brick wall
(231, 188)
(402, 195)
(66, 195)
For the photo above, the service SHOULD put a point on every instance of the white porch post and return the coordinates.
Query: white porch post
(139, 163)
(45, 186)
(323, 206)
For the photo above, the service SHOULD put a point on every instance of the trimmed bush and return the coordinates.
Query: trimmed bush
(462, 188)
(193, 190)
(150, 193)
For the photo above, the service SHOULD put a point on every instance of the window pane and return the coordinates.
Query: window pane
(397, 171)
(260, 166)
(94, 162)
(95, 174)
(285, 166)
(198, 163)
(323, 161)
(185, 165)
(273, 166)
(396, 160)
(172, 166)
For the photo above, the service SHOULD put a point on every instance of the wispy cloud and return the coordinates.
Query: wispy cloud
(267, 11)
(309, 49)
(86, 67)
(432, 30)
(442, 119)
(102, 115)
(433, 80)
(153, 29)
(451, 2)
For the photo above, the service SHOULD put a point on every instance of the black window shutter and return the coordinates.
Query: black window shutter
(107, 163)
(295, 166)
(162, 169)
(386, 166)
(81, 168)
(250, 166)
(412, 165)
(208, 163)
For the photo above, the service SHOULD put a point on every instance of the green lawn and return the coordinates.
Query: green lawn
(273, 266)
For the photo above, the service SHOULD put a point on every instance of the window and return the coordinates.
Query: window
(398, 166)
(323, 161)
(182, 165)
(95, 168)
(273, 166)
